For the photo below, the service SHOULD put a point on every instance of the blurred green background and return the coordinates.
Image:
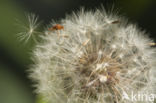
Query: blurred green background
(15, 56)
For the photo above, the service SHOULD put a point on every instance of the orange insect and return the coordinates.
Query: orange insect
(56, 27)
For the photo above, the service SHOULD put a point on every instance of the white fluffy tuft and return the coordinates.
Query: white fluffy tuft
(96, 58)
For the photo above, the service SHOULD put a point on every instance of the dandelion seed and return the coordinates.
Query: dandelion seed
(29, 31)
(152, 44)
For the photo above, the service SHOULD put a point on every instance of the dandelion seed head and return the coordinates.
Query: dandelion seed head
(96, 58)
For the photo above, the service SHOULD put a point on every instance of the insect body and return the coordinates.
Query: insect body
(56, 27)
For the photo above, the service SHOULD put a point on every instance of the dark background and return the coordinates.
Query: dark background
(15, 56)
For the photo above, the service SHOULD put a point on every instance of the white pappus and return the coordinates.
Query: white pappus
(93, 57)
